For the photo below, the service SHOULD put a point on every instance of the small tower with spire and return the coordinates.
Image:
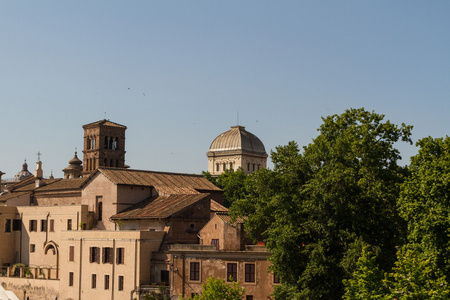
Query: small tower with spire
(74, 168)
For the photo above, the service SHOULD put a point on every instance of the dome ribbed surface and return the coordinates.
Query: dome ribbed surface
(24, 173)
(237, 138)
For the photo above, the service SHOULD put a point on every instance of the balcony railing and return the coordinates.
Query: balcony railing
(29, 272)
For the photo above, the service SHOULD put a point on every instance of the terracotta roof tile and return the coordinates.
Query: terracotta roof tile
(159, 207)
(227, 219)
(216, 207)
(63, 184)
(104, 123)
(167, 183)
(8, 196)
(30, 185)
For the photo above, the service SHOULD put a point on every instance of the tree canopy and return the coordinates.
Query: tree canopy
(319, 208)
(217, 289)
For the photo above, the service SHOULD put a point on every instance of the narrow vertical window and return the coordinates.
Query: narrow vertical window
(120, 287)
(120, 256)
(69, 224)
(72, 253)
(106, 282)
(276, 279)
(231, 166)
(215, 242)
(52, 225)
(248, 167)
(217, 168)
(70, 278)
(100, 211)
(194, 271)
(32, 248)
(43, 225)
(94, 281)
(224, 166)
(8, 225)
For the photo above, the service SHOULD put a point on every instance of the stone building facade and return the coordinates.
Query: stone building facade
(118, 233)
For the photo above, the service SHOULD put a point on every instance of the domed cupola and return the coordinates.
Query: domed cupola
(24, 173)
(236, 148)
(74, 168)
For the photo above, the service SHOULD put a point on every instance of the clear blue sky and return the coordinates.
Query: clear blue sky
(177, 72)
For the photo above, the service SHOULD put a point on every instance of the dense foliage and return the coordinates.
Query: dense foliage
(217, 289)
(318, 209)
(343, 220)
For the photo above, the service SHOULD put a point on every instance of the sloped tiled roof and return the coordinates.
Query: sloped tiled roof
(104, 123)
(167, 183)
(159, 207)
(216, 207)
(63, 184)
(8, 196)
(227, 219)
(30, 185)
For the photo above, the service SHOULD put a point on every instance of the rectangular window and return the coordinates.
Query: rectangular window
(217, 168)
(194, 271)
(106, 282)
(249, 272)
(69, 224)
(94, 281)
(120, 285)
(249, 297)
(33, 225)
(248, 166)
(120, 256)
(32, 248)
(215, 242)
(165, 276)
(276, 279)
(231, 272)
(8, 225)
(17, 225)
(71, 253)
(70, 278)
(52, 225)
(107, 255)
(94, 256)
(43, 225)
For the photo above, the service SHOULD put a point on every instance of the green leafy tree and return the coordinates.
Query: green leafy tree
(425, 201)
(367, 280)
(317, 209)
(217, 289)
(413, 277)
(232, 182)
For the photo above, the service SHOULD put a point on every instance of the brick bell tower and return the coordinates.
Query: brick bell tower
(104, 146)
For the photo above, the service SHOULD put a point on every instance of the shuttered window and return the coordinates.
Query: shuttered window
(94, 256)
(107, 255)
(120, 256)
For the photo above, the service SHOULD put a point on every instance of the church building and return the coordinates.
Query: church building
(107, 231)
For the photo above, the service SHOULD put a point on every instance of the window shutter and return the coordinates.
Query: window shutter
(111, 255)
(97, 255)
